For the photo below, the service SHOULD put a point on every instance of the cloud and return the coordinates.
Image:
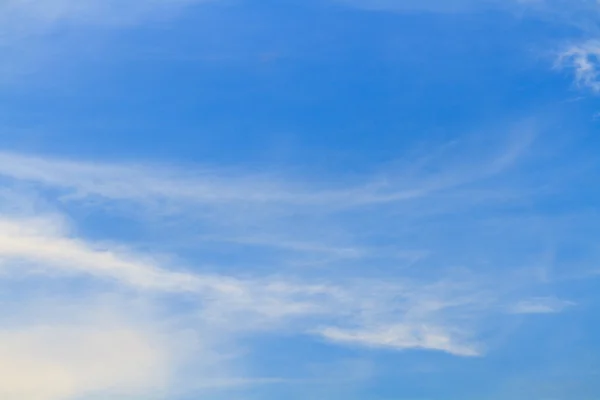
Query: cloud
(36, 36)
(422, 315)
(138, 182)
(37, 247)
(40, 243)
(48, 355)
(64, 362)
(43, 245)
(361, 295)
(411, 5)
(31, 16)
(541, 305)
(402, 337)
(59, 346)
(164, 185)
(281, 220)
(69, 341)
(439, 6)
(583, 59)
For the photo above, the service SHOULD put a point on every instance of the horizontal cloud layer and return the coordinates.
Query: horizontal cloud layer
(365, 297)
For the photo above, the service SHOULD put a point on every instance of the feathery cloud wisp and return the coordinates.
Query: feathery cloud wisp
(31, 16)
(402, 337)
(541, 305)
(26, 248)
(583, 60)
(441, 6)
(142, 183)
(436, 312)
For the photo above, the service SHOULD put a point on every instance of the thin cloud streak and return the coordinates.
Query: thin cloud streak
(439, 312)
(28, 241)
(541, 305)
(142, 183)
(401, 337)
(252, 303)
(26, 17)
(448, 6)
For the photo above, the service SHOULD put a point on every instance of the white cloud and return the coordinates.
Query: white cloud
(71, 344)
(434, 311)
(41, 244)
(444, 6)
(424, 5)
(402, 337)
(540, 305)
(64, 362)
(583, 59)
(30, 16)
(62, 346)
(232, 304)
(164, 186)
(139, 182)
(36, 246)
(36, 36)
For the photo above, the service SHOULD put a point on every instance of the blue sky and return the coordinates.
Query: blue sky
(333, 199)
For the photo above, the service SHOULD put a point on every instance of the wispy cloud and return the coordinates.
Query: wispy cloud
(37, 35)
(361, 295)
(402, 337)
(143, 183)
(541, 305)
(38, 243)
(256, 303)
(399, 260)
(442, 6)
(583, 59)
(36, 16)
(407, 5)
(52, 353)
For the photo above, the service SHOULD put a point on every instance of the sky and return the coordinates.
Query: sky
(299, 199)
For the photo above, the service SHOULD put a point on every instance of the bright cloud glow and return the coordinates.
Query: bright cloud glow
(61, 362)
